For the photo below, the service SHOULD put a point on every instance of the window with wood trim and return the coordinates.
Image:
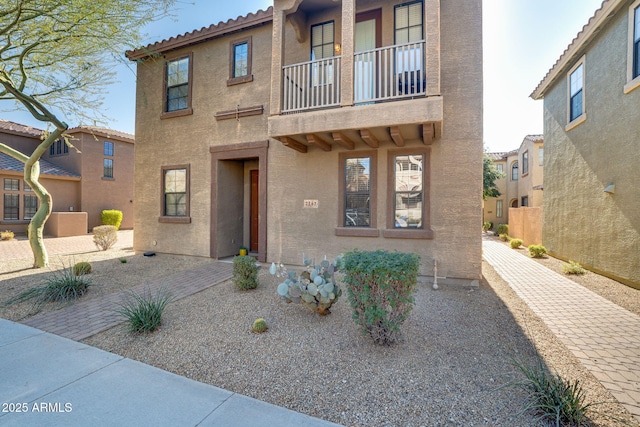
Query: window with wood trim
(408, 211)
(175, 194)
(30, 205)
(358, 185)
(11, 207)
(240, 58)
(177, 86)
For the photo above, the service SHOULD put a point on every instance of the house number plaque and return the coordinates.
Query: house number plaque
(313, 204)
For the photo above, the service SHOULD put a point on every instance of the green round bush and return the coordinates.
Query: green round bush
(82, 268)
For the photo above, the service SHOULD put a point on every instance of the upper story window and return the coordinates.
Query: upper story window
(177, 82)
(409, 19)
(322, 40)
(108, 148)
(576, 104)
(525, 163)
(499, 209)
(240, 59)
(175, 194)
(514, 171)
(524, 201)
(633, 48)
(57, 148)
(11, 184)
(499, 167)
(409, 28)
(541, 156)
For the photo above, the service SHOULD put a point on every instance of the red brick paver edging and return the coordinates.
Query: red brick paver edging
(602, 335)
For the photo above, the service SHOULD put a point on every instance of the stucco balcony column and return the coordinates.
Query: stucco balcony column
(348, 48)
(432, 19)
(280, 10)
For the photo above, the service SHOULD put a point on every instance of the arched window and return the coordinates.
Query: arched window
(514, 171)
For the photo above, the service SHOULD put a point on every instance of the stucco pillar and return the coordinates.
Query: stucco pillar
(348, 46)
(277, 58)
(432, 19)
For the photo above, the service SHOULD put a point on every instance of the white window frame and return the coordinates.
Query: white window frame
(632, 83)
(499, 208)
(582, 117)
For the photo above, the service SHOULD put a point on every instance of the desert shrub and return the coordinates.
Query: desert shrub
(111, 217)
(82, 267)
(245, 272)
(380, 287)
(504, 237)
(573, 267)
(515, 243)
(144, 311)
(60, 286)
(503, 229)
(259, 325)
(6, 235)
(552, 397)
(122, 260)
(537, 251)
(486, 226)
(105, 236)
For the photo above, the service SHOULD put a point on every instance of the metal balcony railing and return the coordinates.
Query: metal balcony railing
(388, 73)
(382, 74)
(312, 84)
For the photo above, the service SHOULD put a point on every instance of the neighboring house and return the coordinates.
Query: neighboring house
(522, 183)
(316, 127)
(592, 137)
(95, 174)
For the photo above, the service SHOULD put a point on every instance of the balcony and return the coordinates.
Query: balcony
(388, 94)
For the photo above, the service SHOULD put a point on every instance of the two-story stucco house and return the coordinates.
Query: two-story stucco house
(521, 184)
(93, 175)
(592, 142)
(316, 127)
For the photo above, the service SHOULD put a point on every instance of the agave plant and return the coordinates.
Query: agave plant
(315, 287)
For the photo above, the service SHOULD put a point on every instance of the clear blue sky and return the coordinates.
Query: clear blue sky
(522, 40)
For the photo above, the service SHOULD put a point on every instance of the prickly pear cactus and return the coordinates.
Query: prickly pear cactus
(316, 287)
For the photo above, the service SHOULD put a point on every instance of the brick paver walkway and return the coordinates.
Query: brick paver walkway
(603, 336)
(19, 248)
(86, 318)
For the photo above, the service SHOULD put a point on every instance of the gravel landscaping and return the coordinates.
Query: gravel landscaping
(456, 353)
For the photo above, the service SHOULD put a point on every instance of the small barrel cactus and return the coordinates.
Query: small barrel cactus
(82, 268)
(259, 325)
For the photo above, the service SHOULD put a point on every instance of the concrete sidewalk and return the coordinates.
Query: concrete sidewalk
(602, 335)
(50, 380)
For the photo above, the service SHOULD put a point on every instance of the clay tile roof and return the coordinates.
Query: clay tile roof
(18, 129)
(103, 133)
(534, 138)
(205, 33)
(575, 48)
(8, 163)
(496, 156)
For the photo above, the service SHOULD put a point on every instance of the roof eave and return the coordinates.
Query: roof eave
(575, 48)
(251, 20)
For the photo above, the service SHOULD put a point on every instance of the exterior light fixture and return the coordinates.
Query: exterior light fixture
(611, 188)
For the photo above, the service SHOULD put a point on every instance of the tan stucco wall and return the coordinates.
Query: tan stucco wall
(64, 224)
(292, 177)
(526, 224)
(100, 193)
(581, 221)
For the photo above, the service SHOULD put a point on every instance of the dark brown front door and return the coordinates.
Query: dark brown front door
(254, 211)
